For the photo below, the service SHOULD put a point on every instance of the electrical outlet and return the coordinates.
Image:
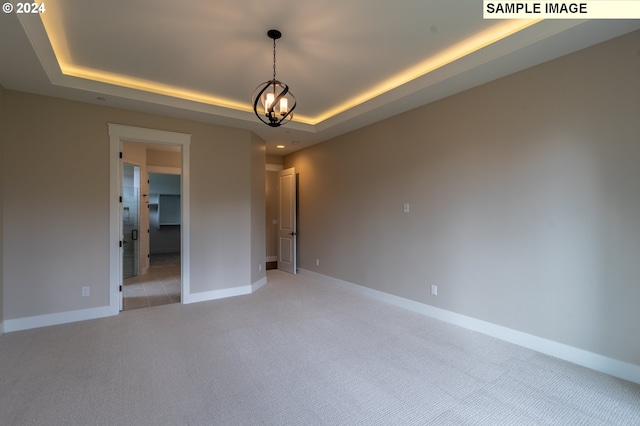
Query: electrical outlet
(434, 289)
(260, 267)
(405, 208)
(317, 262)
(86, 292)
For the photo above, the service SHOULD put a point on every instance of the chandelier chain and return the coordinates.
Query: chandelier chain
(274, 58)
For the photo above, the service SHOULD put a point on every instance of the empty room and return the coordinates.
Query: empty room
(307, 213)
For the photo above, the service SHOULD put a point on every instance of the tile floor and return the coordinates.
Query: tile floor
(160, 286)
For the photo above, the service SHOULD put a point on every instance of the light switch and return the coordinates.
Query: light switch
(406, 207)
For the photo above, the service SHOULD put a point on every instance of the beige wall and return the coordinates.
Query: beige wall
(1, 210)
(164, 158)
(524, 202)
(272, 201)
(56, 203)
(258, 238)
(274, 159)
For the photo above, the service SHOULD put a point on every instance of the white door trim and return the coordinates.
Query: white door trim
(164, 170)
(117, 134)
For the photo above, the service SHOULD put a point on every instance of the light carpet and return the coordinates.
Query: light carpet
(296, 352)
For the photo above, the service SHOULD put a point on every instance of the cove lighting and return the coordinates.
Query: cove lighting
(55, 31)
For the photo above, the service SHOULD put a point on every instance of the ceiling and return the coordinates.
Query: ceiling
(349, 64)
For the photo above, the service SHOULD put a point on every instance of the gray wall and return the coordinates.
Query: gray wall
(524, 202)
(161, 183)
(162, 239)
(46, 262)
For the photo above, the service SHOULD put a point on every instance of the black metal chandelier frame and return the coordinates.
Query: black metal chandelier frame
(279, 109)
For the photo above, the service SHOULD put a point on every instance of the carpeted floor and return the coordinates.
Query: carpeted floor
(296, 352)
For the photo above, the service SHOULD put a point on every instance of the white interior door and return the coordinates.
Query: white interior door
(287, 223)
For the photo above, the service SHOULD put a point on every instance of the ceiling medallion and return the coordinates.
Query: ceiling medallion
(276, 101)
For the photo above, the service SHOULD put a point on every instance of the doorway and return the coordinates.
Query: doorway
(157, 195)
(118, 135)
(159, 286)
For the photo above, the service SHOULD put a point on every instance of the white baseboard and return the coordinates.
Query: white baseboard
(613, 367)
(56, 319)
(225, 292)
(255, 286)
(105, 311)
(217, 294)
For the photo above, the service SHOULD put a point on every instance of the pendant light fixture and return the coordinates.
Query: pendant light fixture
(272, 101)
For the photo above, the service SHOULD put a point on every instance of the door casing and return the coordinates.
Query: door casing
(117, 134)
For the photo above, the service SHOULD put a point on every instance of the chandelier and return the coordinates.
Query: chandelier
(272, 101)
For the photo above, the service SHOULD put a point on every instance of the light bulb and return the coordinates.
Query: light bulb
(268, 102)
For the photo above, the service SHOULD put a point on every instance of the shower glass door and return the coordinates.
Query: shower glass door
(130, 219)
